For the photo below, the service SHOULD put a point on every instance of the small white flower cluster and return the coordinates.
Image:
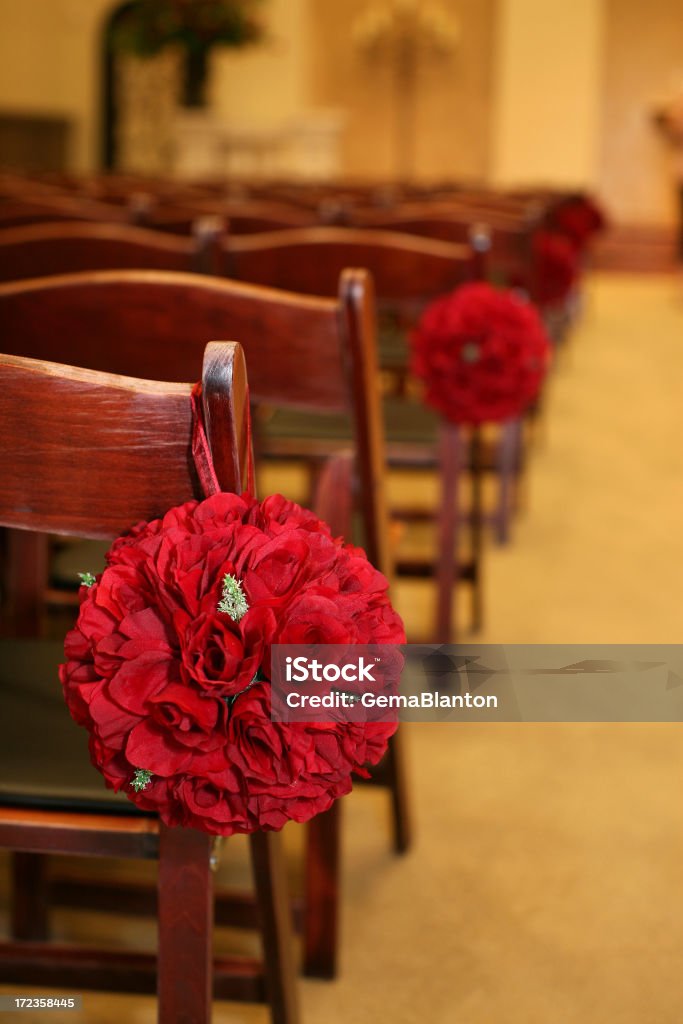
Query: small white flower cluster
(141, 779)
(233, 602)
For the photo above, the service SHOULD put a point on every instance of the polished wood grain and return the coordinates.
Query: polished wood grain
(185, 915)
(41, 250)
(115, 320)
(119, 427)
(310, 260)
(323, 864)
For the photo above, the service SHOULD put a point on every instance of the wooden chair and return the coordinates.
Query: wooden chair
(310, 354)
(61, 472)
(308, 260)
(407, 272)
(41, 250)
(43, 209)
(505, 235)
(243, 216)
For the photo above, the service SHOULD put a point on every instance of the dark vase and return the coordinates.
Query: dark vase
(195, 74)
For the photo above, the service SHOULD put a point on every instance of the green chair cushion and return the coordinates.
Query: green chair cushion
(44, 759)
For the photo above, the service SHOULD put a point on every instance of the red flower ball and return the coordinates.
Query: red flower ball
(176, 693)
(482, 354)
(556, 267)
(579, 218)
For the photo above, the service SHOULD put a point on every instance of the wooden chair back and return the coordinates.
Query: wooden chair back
(42, 250)
(309, 260)
(132, 437)
(303, 352)
(42, 209)
(407, 272)
(506, 235)
(243, 216)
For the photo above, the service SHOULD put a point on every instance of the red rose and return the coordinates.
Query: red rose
(266, 752)
(175, 691)
(222, 657)
(579, 218)
(556, 267)
(482, 354)
(218, 806)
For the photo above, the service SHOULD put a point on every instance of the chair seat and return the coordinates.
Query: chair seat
(71, 557)
(405, 421)
(392, 345)
(411, 430)
(44, 759)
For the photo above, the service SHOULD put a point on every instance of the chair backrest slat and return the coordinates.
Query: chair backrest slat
(40, 250)
(91, 454)
(403, 266)
(243, 216)
(309, 353)
(114, 321)
(41, 209)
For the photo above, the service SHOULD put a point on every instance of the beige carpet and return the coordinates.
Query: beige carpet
(545, 886)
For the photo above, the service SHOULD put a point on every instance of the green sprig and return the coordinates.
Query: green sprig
(141, 779)
(87, 579)
(233, 602)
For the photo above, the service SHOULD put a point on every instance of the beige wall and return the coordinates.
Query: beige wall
(49, 64)
(453, 94)
(269, 82)
(546, 83)
(643, 62)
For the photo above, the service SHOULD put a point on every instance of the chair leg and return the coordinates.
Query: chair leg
(333, 495)
(185, 915)
(276, 926)
(398, 786)
(447, 572)
(507, 470)
(323, 846)
(25, 578)
(321, 899)
(477, 532)
(29, 920)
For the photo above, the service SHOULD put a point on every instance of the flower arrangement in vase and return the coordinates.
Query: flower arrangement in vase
(196, 27)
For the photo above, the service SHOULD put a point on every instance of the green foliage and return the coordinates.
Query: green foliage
(233, 602)
(141, 779)
(195, 25)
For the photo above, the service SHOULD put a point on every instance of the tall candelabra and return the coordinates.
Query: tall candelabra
(402, 32)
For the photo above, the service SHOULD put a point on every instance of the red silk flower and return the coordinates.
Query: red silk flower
(175, 690)
(482, 354)
(556, 267)
(579, 218)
